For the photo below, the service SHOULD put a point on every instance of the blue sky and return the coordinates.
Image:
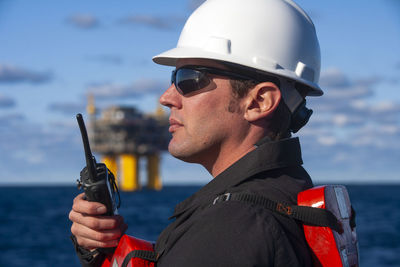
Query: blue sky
(52, 53)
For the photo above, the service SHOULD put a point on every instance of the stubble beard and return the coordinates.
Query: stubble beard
(194, 151)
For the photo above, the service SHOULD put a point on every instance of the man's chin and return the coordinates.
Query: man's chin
(182, 157)
(180, 153)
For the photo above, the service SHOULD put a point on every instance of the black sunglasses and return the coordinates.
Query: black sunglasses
(188, 79)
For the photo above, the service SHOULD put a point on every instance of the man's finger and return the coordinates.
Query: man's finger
(83, 206)
(105, 236)
(96, 222)
(92, 244)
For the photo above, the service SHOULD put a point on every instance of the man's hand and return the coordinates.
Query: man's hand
(91, 229)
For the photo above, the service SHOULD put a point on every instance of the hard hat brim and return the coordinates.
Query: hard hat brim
(170, 57)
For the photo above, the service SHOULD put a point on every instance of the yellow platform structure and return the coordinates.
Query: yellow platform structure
(123, 136)
(111, 163)
(125, 168)
(153, 172)
(129, 172)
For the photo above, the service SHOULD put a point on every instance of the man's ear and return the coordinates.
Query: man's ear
(261, 101)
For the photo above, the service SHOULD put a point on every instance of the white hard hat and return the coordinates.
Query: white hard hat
(274, 36)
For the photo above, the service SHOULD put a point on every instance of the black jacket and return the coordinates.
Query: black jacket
(236, 233)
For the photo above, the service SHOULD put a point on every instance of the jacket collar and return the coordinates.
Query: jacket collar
(268, 155)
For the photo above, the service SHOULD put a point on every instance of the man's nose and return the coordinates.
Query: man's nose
(171, 98)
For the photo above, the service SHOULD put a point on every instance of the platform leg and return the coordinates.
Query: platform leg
(129, 179)
(153, 173)
(111, 163)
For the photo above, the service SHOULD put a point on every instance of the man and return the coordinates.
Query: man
(242, 70)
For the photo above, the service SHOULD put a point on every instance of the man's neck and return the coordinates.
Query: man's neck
(221, 165)
(231, 151)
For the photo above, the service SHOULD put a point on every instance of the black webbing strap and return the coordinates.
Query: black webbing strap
(353, 218)
(307, 215)
(142, 254)
(82, 252)
(87, 257)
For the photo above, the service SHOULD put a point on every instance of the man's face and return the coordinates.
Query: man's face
(200, 122)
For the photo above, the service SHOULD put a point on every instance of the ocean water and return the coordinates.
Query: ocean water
(35, 230)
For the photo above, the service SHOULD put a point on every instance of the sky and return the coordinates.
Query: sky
(53, 53)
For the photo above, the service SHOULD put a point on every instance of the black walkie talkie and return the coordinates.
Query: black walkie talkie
(96, 179)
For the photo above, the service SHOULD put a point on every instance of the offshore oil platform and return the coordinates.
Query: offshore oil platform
(122, 135)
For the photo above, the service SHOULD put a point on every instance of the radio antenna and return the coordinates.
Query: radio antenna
(90, 159)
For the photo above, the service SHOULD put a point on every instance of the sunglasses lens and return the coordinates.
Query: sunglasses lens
(188, 80)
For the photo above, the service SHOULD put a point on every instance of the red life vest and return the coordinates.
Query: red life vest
(331, 248)
(132, 252)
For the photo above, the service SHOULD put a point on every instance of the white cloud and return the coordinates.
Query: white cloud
(390, 129)
(170, 22)
(327, 140)
(148, 20)
(8, 119)
(333, 77)
(385, 107)
(6, 102)
(33, 157)
(138, 88)
(348, 93)
(14, 74)
(67, 108)
(107, 58)
(84, 21)
(340, 90)
(340, 119)
(348, 102)
(30, 148)
(349, 130)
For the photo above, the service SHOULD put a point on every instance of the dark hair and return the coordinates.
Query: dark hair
(280, 122)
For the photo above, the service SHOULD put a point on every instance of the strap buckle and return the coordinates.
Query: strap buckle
(221, 198)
